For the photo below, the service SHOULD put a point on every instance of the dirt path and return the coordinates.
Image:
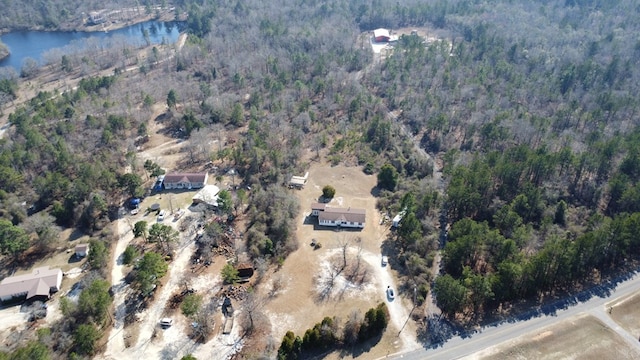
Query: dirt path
(399, 308)
(116, 338)
(151, 316)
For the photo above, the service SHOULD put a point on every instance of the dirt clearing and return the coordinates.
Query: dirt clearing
(582, 337)
(626, 313)
(299, 303)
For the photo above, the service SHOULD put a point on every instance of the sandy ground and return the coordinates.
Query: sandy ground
(12, 321)
(152, 341)
(116, 337)
(582, 337)
(298, 306)
(626, 313)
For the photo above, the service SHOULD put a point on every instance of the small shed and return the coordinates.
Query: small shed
(298, 181)
(245, 272)
(397, 219)
(82, 250)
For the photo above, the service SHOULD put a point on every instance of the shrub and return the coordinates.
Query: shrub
(85, 339)
(98, 255)
(321, 336)
(129, 255)
(375, 322)
(328, 192)
(290, 347)
(230, 274)
(191, 304)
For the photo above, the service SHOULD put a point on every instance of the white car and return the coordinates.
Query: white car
(166, 322)
(385, 261)
(161, 215)
(390, 293)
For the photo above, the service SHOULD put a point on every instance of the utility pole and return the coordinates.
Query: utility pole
(415, 292)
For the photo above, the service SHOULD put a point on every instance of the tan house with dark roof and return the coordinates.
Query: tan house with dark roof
(185, 180)
(41, 282)
(349, 217)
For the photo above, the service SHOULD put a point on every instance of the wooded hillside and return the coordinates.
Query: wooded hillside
(528, 107)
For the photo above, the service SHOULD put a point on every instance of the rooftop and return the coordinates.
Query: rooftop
(39, 282)
(348, 214)
(185, 177)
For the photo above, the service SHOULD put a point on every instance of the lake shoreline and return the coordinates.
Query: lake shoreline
(165, 16)
(38, 45)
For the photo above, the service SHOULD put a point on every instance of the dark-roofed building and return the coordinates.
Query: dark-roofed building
(185, 180)
(349, 217)
(316, 208)
(40, 283)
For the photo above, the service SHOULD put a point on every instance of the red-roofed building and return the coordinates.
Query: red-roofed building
(381, 35)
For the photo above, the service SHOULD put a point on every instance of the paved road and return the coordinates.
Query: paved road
(488, 336)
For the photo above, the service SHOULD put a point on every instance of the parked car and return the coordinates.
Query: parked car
(385, 261)
(390, 294)
(161, 215)
(166, 322)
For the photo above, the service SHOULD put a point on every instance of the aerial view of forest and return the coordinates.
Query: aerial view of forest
(305, 180)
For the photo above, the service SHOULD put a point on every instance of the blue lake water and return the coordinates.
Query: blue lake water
(33, 44)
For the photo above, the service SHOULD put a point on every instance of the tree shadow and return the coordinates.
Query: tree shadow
(75, 235)
(437, 330)
(360, 349)
(74, 258)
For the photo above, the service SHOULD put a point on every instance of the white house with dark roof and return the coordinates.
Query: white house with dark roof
(339, 217)
(40, 283)
(185, 180)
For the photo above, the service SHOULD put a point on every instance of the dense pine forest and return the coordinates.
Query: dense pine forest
(527, 111)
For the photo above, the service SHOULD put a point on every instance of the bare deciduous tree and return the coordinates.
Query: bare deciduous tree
(252, 316)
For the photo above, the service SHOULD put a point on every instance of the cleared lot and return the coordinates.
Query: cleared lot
(581, 337)
(300, 302)
(626, 313)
